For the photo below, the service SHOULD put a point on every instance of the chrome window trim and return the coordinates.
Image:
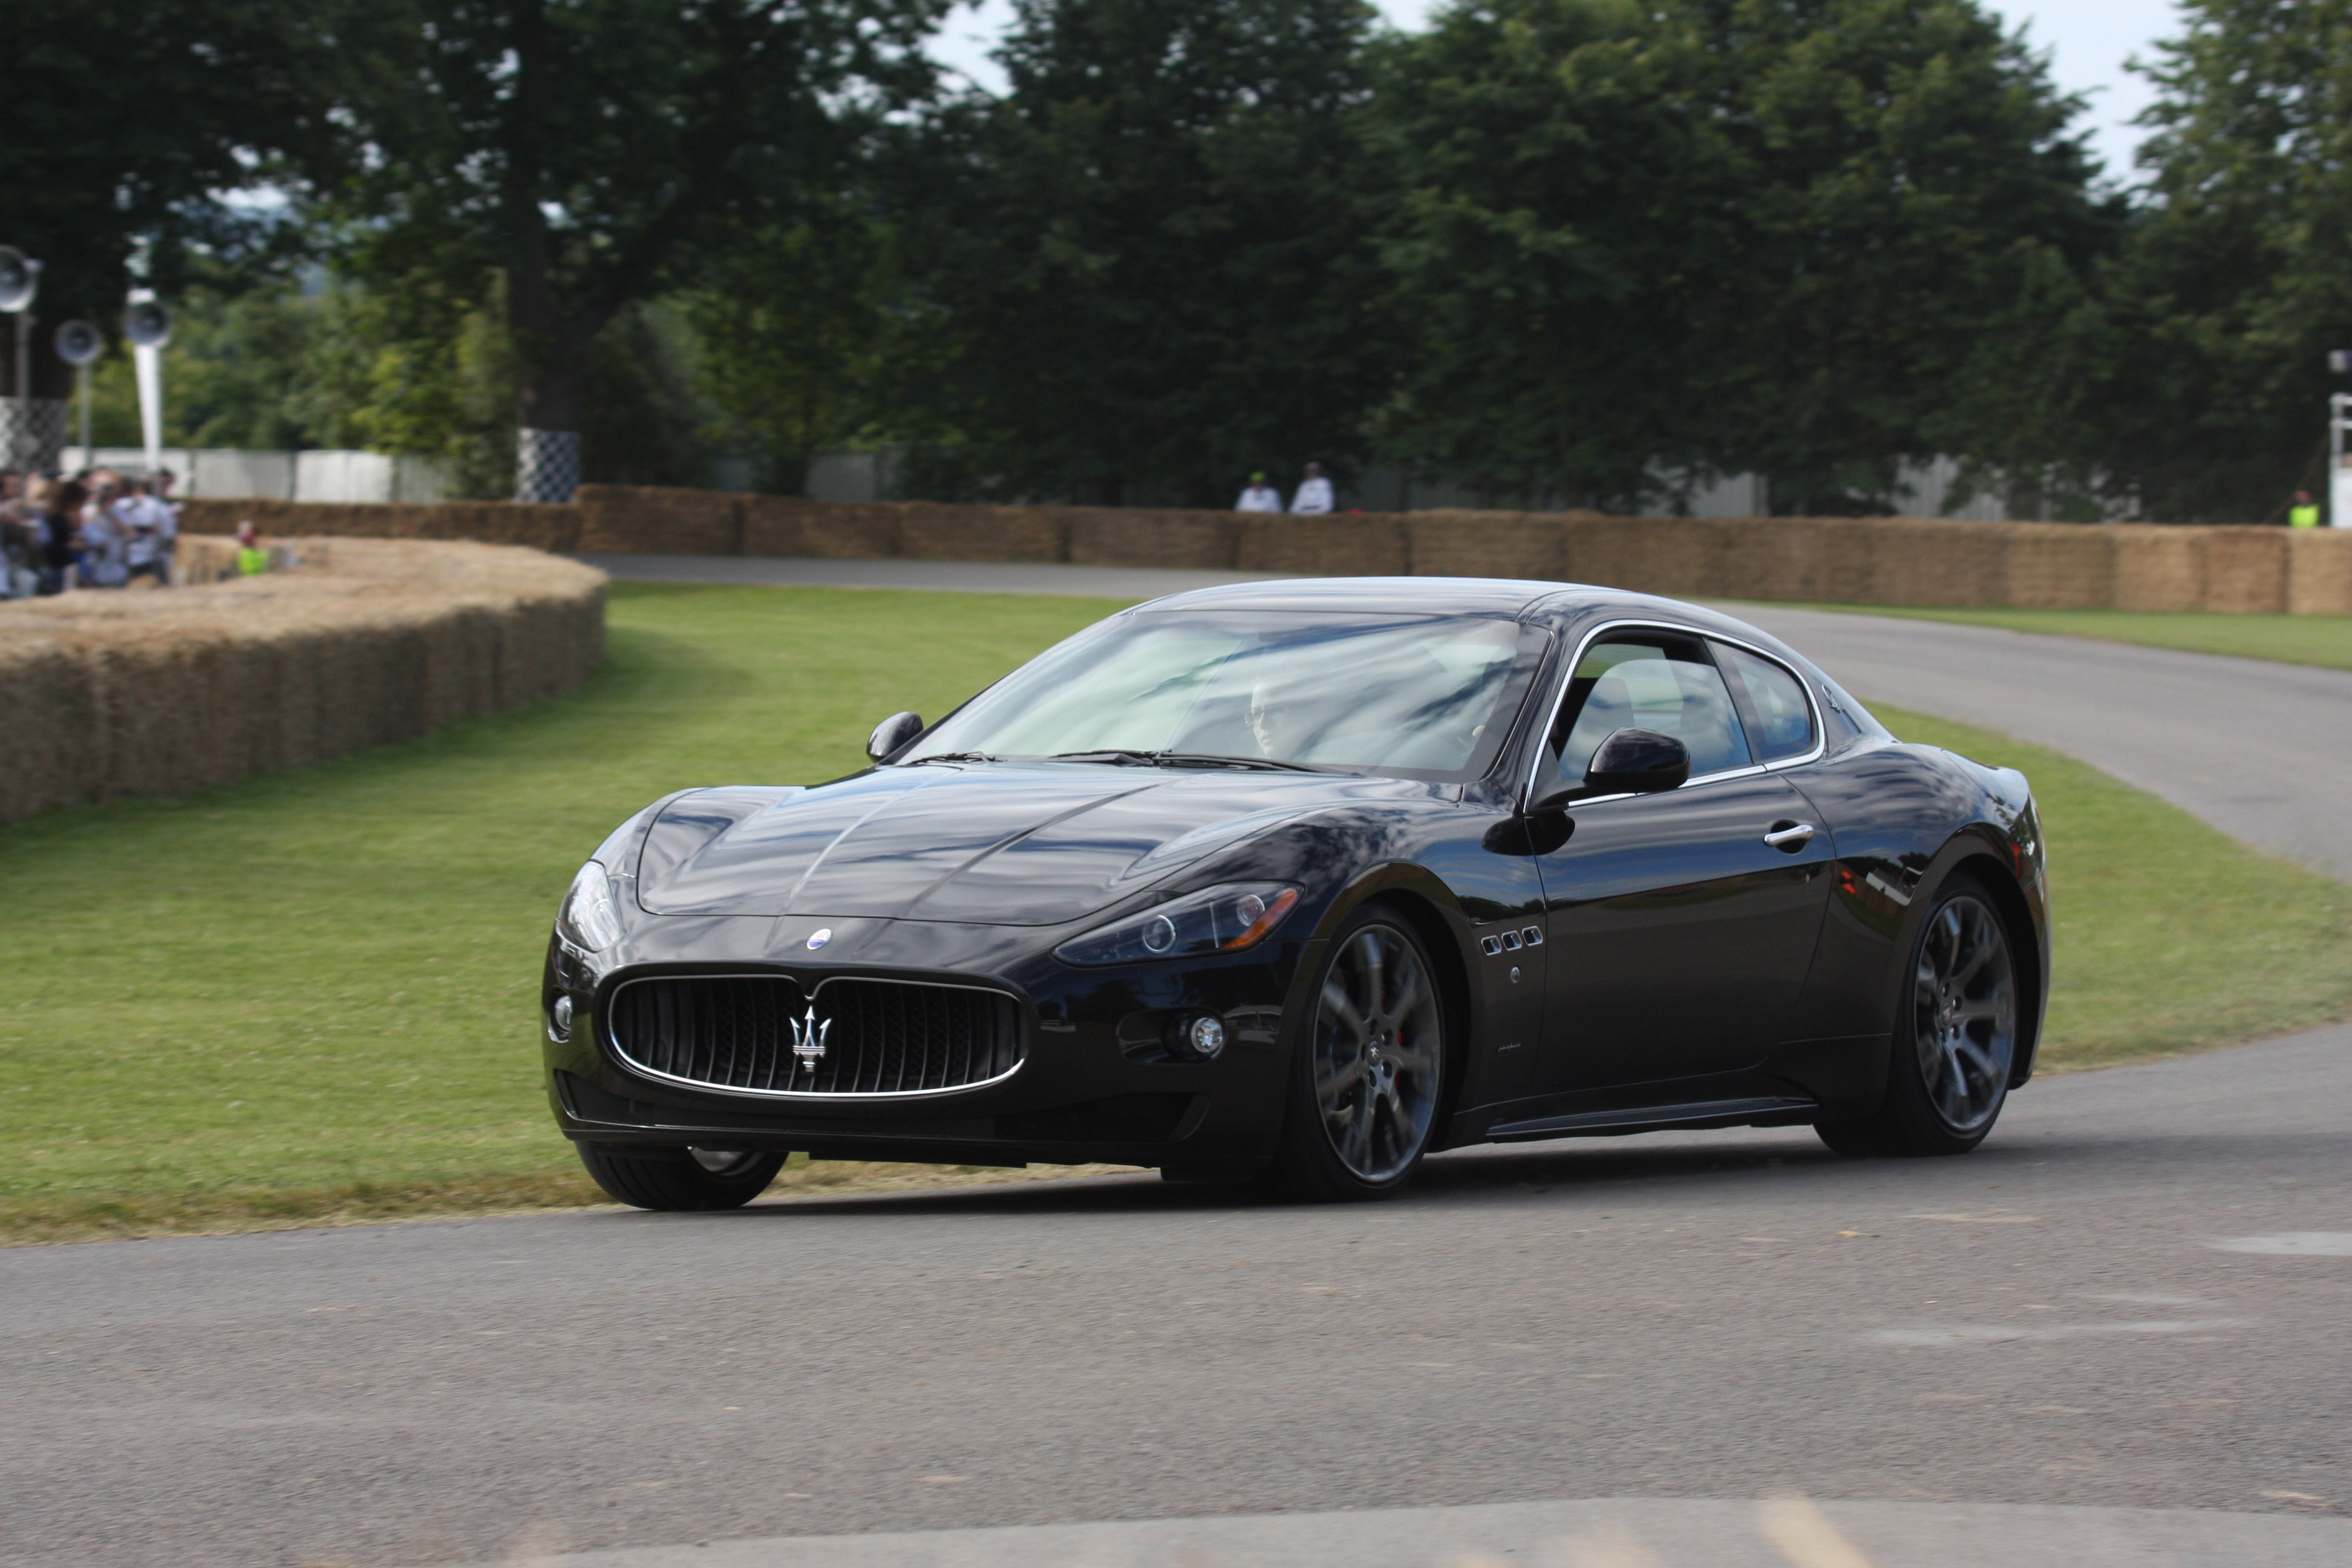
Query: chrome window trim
(605, 1029)
(1568, 678)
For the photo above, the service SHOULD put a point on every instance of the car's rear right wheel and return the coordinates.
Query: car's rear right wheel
(1955, 1037)
(681, 1180)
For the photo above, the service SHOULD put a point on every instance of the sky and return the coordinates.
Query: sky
(2089, 41)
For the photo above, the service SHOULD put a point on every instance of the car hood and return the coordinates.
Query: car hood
(999, 844)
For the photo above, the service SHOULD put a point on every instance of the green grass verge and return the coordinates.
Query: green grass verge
(309, 997)
(2325, 640)
(313, 994)
(2166, 934)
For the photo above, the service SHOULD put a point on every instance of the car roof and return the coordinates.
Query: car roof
(1514, 596)
(1557, 604)
(1405, 595)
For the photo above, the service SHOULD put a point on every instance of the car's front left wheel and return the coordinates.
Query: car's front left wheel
(680, 1180)
(1368, 1075)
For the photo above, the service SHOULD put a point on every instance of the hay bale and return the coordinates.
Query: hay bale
(1365, 545)
(2158, 567)
(795, 525)
(1151, 536)
(1488, 544)
(2319, 572)
(653, 519)
(938, 530)
(2246, 571)
(105, 695)
(541, 527)
(1919, 562)
(2059, 566)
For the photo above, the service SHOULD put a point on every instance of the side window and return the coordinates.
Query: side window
(1649, 680)
(1779, 721)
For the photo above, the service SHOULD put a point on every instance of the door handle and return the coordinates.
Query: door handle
(1789, 837)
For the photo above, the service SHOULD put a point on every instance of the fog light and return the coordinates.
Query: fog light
(559, 1020)
(1196, 1037)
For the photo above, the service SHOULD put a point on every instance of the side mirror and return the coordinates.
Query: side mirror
(1637, 762)
(894, 732)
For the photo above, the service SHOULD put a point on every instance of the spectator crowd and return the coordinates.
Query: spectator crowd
(97, 528)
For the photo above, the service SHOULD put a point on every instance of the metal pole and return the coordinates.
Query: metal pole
(81, 376)
(20, 444)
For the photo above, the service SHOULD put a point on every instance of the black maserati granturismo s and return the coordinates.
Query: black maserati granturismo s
(1299, 882)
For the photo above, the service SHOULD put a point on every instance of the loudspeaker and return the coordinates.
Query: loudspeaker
(19, 277)
(78, 342)
(147, 325)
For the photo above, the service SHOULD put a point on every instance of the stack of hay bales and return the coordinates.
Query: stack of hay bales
(154, 692)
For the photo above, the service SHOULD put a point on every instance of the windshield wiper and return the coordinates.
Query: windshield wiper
(1183, 759)
(951, 757)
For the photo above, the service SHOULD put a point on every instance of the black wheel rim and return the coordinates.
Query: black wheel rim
(1963, 1013)
(1379, 1053)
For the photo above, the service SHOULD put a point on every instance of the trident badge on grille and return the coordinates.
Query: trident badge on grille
(808, 1039)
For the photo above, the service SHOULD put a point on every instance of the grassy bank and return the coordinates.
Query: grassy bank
(2167, 935)
(310, 997)
(2323, 640)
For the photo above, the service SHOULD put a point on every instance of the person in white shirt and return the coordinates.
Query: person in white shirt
(1259, 497)
(1314, 497)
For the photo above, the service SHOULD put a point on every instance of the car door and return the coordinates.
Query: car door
(1679, 936)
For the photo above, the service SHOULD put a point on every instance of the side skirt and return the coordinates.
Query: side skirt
(1763, 1110)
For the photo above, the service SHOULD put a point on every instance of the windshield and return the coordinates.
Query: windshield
(1419, 696)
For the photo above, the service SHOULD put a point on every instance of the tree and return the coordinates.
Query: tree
(2237, 279)
(1152, 253)
(126, 120)
(590, 155)
(1724, 234)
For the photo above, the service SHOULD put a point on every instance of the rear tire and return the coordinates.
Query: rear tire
(681, 1180)
(1955, 1033)
(1370, 1072)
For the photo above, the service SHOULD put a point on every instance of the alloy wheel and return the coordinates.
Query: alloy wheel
(1379, 1055)
(1963, 1013)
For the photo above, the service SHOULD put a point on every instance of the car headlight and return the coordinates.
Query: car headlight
(1215, 920)
(589, 919)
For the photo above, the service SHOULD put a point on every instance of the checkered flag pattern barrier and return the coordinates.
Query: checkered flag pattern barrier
(547, 465)
(34, 443)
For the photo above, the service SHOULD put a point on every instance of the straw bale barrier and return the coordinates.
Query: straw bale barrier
(1827, 560)
(154, 692)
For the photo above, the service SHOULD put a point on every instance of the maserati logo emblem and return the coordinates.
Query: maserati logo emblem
(819, 938)
(808, 1039)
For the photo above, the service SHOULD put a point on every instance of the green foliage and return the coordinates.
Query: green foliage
(123, 118)
(1792, 238)
(2239, 275)
(588, 155)
(803, 330)
(1151, 254)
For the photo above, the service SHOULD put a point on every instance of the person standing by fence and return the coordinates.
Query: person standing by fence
(1259, 497)
(1314, 497)
(2305, 513)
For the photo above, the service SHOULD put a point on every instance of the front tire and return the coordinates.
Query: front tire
(681, 1180)
(1369, 1074)
(1955, 1034)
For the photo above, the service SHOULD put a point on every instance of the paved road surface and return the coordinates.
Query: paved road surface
(2262, 751)
(2133, 1297)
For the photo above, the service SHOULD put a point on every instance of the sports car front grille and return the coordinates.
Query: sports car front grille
(878, 1036)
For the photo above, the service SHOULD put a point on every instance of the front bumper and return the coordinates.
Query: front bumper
(1095, 1084)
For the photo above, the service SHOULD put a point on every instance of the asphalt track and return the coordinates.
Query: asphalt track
(2132, 1297)
(2113, 1335)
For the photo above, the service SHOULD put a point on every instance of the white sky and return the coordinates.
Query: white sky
(2090, 39)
